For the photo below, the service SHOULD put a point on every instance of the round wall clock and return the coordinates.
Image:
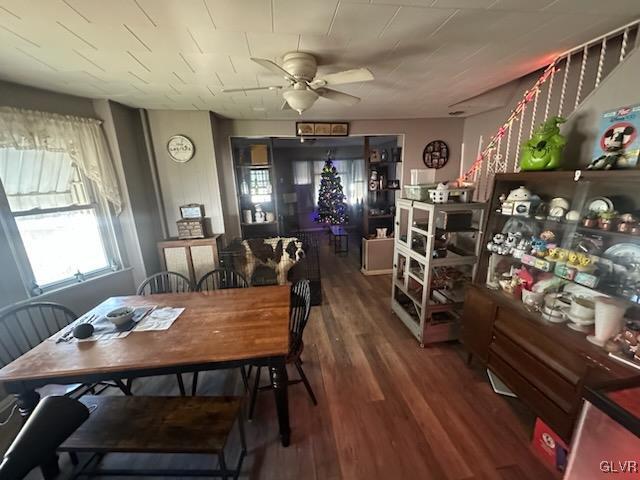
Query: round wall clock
(181, 149)
(435, 154)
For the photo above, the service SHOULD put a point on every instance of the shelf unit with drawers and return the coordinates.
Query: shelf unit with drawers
(433, 262)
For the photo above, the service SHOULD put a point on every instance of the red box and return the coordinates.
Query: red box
(549, 447)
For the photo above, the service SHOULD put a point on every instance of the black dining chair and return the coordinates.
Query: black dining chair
(298, 319)
(165, 282)
(23, 327)
(220, 279)
(50, 424)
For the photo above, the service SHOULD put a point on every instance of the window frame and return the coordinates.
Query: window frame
(105, 221)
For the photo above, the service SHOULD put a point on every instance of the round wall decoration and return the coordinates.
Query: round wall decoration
(181, 149)
(435, 154)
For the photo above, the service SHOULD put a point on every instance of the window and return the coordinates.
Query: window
(61, 233)
(351, 174)
(260, 187)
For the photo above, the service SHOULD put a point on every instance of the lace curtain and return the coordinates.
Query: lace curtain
(80, 138)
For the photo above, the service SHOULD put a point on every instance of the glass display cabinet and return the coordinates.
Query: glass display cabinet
(435, 255)
(561, 242)
(555, 298)
(254, 168)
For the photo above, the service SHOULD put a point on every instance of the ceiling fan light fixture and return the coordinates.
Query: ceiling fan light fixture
(300, 100)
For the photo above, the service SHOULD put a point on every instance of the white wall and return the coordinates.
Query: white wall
(619, 89)
(195, 181)
(417, 133)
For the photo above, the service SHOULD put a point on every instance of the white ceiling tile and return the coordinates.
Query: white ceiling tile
(172, 54)
(361, 21)
(221, 42)
(471, 4)
(272, 45)
(307, 17)
(112, 12)
(521, 5)
(611, 7)
(245, 16)
(415, 23)
(192, 13)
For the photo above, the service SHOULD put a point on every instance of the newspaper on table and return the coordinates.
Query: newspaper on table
(145, 319)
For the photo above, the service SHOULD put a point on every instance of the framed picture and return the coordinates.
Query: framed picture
(435, 154)
(322, 129)
(339, 129)
(303, 128)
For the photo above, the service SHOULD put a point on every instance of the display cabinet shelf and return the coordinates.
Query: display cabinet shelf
(431, 260)
(547, 364)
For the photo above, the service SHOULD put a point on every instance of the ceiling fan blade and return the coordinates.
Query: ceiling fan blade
(275, 68)
(348, 76)
(340, 97)
(233, 90)
(285, 106)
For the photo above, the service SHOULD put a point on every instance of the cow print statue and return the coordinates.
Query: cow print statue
(279, 253)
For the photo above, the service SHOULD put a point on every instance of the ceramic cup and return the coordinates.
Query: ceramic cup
(582, 308)
(609, 319)
(247, 216)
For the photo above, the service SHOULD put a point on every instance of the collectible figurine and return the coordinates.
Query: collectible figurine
(538, 247)
(544, 150)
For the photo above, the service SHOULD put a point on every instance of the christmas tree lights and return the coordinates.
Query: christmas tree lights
(332, 208)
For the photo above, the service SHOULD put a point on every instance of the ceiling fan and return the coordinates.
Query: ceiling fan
(299, 69)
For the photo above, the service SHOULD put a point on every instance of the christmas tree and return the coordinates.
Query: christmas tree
(331, 206)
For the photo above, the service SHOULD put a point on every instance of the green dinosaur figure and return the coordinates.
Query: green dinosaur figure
(543, 151)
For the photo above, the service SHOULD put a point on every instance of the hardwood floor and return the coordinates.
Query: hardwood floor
(387, 408)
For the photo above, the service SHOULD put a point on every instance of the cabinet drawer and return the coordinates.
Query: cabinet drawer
(541, 343)
(560, 421)
(560, 391)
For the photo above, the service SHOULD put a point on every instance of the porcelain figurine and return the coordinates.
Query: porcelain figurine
(538, 247)
(543, 151)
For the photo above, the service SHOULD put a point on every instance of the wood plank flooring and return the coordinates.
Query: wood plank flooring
(387, 408)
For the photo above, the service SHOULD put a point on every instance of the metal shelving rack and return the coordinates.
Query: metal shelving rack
(413, 265)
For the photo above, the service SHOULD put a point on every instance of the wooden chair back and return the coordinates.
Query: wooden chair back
(220, 279)
(299, 314)
(25, 326)
(165, 282)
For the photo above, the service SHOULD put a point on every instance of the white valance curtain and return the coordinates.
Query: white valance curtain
(82, 139)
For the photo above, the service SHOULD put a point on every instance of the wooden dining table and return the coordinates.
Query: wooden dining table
(217, 330)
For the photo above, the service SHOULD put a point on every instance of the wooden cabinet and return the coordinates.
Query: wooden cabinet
(546, 365)
(477, 323)
(192, 258)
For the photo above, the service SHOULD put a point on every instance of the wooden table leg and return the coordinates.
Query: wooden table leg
(280, 383)
(27, 402)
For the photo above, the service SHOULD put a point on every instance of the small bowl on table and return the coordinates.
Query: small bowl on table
(120, 316)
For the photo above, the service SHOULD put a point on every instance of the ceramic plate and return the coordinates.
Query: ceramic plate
(623, 253)
(599, 204)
